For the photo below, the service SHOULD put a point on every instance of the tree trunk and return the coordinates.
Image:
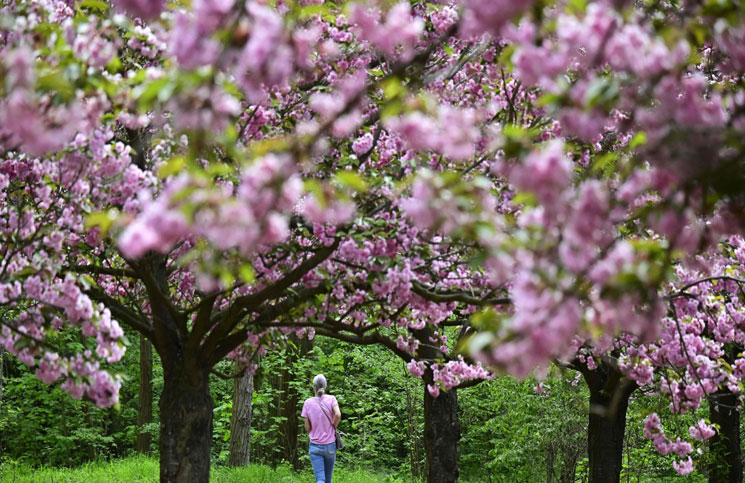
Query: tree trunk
(441, 423)
(2, 372)
(726, 464)
(441, 434)
(185, 425)
(569, 465)
(145, 403)
(289, 398)
(412, 432)
(605, 439)
(240, 421)
(609, 400)
(550, 457)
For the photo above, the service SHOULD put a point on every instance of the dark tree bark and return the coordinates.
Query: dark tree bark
(185, 426)
(240, 421)
(726, 464)
(441, 424)
(609, 400)
(550, 457)
(413, 433)
(2, 372)
(605, 439)
(569, 464)
(145, 403)
(186, 403)
(289, 399)
(441, 434)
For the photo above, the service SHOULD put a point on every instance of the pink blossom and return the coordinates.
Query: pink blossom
(490, 16)
(684, 467)
(547, 173)
(147, 9)
(701, 431)
(362, 144)
(400, 28)
(416, 368)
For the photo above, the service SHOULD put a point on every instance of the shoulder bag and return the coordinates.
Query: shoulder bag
(337, 434)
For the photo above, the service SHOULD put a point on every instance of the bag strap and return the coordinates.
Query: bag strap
(323, 409)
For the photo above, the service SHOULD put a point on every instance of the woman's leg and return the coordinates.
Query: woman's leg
(328, 462)
(317, 460)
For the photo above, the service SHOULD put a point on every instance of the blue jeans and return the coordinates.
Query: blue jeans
(322, 457)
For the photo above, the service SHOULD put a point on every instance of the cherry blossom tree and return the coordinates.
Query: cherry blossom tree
(222, 174)
(697, 359)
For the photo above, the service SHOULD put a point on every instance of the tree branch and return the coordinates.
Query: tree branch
(99, 270)
(224, 346)
(446, 297)
(121, 312)
(226, 320)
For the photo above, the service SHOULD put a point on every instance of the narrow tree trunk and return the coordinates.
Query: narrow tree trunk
(185, 426)
(90, 449)
(569, 465)
(240, 421)
(550, 456)
(726, 464)
(145, 403)
(289, 398)
(2, 372)
(609, 400)
(413, 433)
(441, 434)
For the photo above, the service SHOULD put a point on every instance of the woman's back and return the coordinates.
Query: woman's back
(320, 412)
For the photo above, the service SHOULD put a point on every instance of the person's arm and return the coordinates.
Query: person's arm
(304, 415)
(337, 415)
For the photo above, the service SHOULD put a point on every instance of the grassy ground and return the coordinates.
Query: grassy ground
(141, 470)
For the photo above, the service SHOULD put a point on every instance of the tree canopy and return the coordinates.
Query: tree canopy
(540, 181)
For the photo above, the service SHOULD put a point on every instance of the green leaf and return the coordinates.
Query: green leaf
(226, 278)
(351, 180)
(246, 272)
(393, 88)
(311, 10)
(95, 5)
(391, 109)
(600, 92)
(577, 6)
(525, 198)
(55, 82)
(173, 166)
(160, 89)
(101, 219)
(605, 164)
(639, 139)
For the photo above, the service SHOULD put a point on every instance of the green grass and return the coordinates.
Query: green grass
(141, 469)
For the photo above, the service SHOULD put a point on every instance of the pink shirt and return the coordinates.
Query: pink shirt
(321, 430)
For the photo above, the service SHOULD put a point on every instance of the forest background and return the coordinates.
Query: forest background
(512, 430)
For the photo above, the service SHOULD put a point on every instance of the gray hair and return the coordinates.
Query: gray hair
(319, 385)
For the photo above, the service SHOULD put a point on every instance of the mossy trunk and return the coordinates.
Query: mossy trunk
(441, 434)
(726, 466)
(240, 421)
(145, 402)
(185, 427)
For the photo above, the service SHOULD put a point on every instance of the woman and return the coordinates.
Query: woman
(321, 415)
